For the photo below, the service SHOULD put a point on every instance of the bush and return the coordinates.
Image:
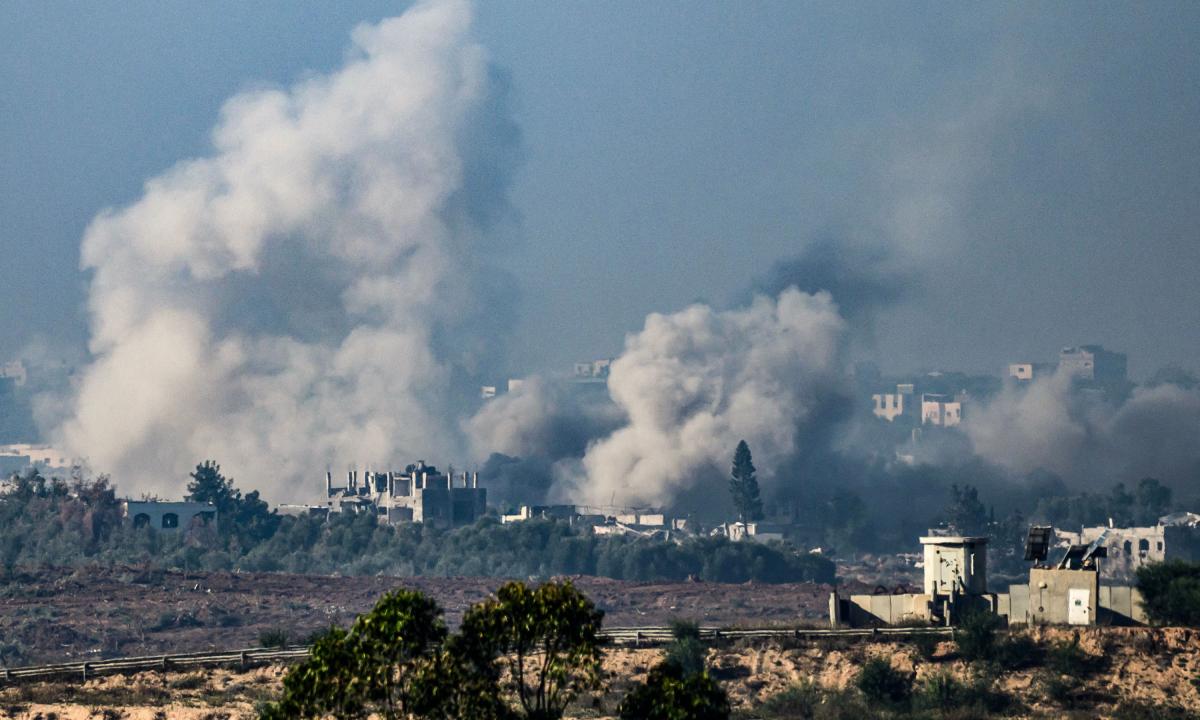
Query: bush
(686, 651)
(883, 685)
(976, 636)
(1067, 658)
(942, 691)
(1171, 592)
(926, 646)
(798, 702)
(273, 638)
(668, 694)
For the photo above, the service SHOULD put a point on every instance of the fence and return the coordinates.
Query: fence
(636, 636)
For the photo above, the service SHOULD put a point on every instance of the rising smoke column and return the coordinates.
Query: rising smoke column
(290, 301)
(695, 382)
(1088, 441)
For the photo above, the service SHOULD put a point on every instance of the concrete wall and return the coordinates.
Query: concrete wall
(869, 610)
(1050, 592)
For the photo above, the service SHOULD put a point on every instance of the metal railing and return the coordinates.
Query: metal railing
(636, 636)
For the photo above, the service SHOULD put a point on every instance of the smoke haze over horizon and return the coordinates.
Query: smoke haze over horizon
(737, 204)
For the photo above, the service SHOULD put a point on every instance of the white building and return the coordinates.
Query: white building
(940, 410)
(168, 516)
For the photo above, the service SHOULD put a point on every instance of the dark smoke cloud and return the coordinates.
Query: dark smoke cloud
(863, 280)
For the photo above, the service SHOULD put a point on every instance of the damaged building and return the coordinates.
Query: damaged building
(419, 494)
(1173, 537)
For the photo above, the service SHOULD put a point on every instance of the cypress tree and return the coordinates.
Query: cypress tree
(743, 486)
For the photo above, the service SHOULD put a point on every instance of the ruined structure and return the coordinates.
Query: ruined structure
(1173, 537)
(419, 494)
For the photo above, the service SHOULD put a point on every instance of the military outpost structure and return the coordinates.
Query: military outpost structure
(1069, 592)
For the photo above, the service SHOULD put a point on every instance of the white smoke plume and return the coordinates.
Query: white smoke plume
(1087, 441)
(289, 302)
(695, 382)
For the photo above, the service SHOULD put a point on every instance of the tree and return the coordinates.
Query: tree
(669, 694)
(210, 486)
(249, 517)
(1153, 501)
(544, 642)
(965, 512)
(743, 486)
(1171, 592)
(383, 666)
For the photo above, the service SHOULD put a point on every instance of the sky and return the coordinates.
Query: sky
(1029, 169)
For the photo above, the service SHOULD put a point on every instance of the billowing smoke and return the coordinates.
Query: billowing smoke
(527, 433)
(695, 382)
(1087, 440)
(863, 280)
(295, 300)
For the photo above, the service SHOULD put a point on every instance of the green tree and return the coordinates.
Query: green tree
(743, 486)
(1171, 592)
(381, 667)
(965, 512)
(248, 517)
(544, 642)
(208, 485)
(1153, 501)
(669, 694)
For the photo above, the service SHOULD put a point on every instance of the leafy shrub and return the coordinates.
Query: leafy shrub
(942, 691)
(686, 651)
(1067, 658)
(273, 638)
(1016, 652)
(976, 636)
(884, 685)
(926, 646)
(1171, 592)
(798, 702)
(668, 694)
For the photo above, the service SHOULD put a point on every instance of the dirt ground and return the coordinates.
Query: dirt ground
(1150, 666)
(63, 615)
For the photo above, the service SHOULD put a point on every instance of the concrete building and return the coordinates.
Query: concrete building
(1092, 363)
(891, 406)
(19, 457)
(940, 410)
(955, 564)
(1174, 537)
(592, 371)
(1029, 371)
(167, 516)
(955, 582)
(419, 494)
(751, 532)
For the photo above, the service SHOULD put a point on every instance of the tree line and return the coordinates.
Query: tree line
(55, 522)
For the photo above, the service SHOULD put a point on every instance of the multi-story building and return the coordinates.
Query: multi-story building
(419, 494)
(1173, 537)
(1092, 363)
(893, 405)
(940, 410)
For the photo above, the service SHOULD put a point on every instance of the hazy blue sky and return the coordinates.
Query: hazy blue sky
(1035, 169)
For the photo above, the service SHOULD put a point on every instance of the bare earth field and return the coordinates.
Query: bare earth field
(62, 615)
(1144, 665)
